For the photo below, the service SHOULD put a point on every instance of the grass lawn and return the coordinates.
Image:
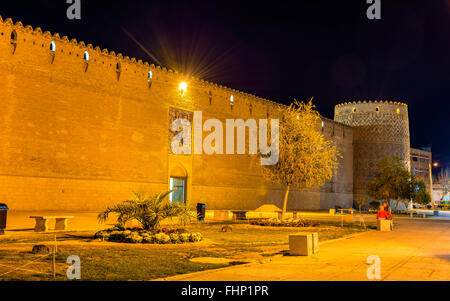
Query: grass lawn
(116, 261)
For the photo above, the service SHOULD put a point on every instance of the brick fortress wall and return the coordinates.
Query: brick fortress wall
(78, 135)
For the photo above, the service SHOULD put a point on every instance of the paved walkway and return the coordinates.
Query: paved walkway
(416, 250)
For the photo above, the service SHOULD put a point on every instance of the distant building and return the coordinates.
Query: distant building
(420, 164)
(439, 195)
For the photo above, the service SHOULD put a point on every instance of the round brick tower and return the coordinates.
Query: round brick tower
(379, 129)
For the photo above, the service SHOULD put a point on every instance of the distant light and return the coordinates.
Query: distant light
(183, 88)
(150, 75)
(436, 164)
(323, 124)
(86, 56)
(232, 99)
(298, 117)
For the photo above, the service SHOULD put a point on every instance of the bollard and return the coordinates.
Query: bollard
(303, 244)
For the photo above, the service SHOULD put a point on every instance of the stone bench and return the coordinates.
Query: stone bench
(223, 215)
(42, 223)
(414, 213)
(304, 244)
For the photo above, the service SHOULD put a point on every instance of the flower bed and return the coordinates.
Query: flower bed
(278, 223)
(164, 236)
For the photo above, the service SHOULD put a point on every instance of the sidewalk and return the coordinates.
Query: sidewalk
(418, 250)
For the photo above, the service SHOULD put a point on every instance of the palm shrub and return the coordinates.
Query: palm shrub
(149, 211)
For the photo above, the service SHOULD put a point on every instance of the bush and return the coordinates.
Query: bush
(117, 236)
(289, 223)
(185, 237)
(175, 238)
(162, 238)
(165, 236)
(195, 237)
(133, 238)
(148, 238)
(102, 235)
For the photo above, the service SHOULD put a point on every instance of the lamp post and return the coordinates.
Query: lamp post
(431, 185)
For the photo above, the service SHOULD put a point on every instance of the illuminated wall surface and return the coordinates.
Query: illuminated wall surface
(79, 134)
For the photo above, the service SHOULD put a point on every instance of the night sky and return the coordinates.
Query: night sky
(282, 50)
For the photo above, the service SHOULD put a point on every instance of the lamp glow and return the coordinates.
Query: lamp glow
(183, 88)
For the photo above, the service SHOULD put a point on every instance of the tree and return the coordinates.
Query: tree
(392, 182)
(360, 201)
(443, 180)
(306, 158)
(149, 211)
(421, 194)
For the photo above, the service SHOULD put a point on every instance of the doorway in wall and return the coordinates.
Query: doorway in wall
(178, 185)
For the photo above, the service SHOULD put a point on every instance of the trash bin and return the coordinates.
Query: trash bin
(201, 212)
(3, 213)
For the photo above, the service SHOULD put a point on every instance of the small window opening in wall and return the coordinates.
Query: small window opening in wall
(150, 78)
(210, 97)
(268, 113)
(377, 110)
(398, 111)
(354, 110)
(323, 126)
(118, 70)
(86, 59)
(251, 109)
(14, 40)
(232, 101)
(52, 51)
(13, 36)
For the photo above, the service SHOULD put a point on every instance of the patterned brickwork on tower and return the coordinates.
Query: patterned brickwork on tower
(380, 128)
